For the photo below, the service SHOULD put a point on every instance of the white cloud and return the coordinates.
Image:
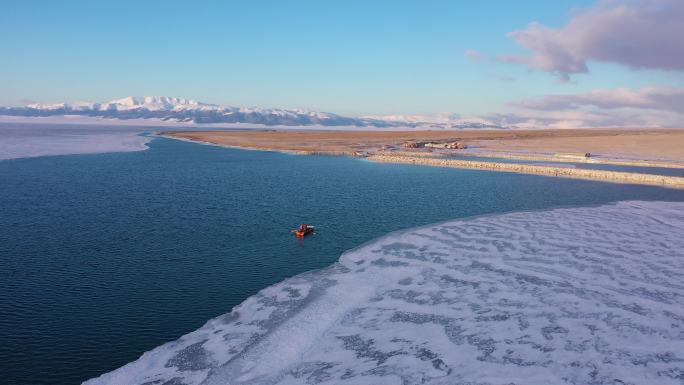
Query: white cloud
(639, 34)
(653, 98)
(589, 118)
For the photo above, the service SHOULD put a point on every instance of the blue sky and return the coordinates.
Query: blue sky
(349, 57)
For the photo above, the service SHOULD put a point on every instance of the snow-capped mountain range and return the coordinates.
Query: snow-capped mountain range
(193, 112)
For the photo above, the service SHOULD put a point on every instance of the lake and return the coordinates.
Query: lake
(106, 256)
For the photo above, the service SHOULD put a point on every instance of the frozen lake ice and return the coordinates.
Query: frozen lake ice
(589, 295)
(32, 140)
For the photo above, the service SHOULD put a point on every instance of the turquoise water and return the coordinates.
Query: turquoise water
(106, 256)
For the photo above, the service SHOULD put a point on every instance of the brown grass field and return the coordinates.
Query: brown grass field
(661, 145)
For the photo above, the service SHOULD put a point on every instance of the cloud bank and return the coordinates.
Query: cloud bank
(637, 34)
(655, 106)
(654, 98)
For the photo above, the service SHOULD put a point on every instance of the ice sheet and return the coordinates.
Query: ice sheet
(24, 141)
(590, 295)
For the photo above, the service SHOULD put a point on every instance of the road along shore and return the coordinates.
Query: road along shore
(566, 172)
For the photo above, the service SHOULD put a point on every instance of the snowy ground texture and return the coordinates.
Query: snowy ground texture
(569, 296)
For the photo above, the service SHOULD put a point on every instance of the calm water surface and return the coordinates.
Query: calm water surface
(105, 256)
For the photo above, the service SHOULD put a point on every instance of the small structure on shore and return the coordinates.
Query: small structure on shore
(413, 144)
(573, 155)
(445, 145)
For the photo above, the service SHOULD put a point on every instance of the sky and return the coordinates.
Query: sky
(559, 62)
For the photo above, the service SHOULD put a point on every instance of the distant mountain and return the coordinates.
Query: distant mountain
(450, 121)
(191, 111)
(149, 103)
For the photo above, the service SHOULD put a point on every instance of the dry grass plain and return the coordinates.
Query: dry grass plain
(661, 145)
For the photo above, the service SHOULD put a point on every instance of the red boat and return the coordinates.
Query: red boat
(303, 230)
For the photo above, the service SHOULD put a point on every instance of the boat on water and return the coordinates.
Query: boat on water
(303, 230)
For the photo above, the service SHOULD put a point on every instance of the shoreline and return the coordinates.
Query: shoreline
(555, 159)
(393, 269)
(563, 172)
(289, 152)
(383, 148)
